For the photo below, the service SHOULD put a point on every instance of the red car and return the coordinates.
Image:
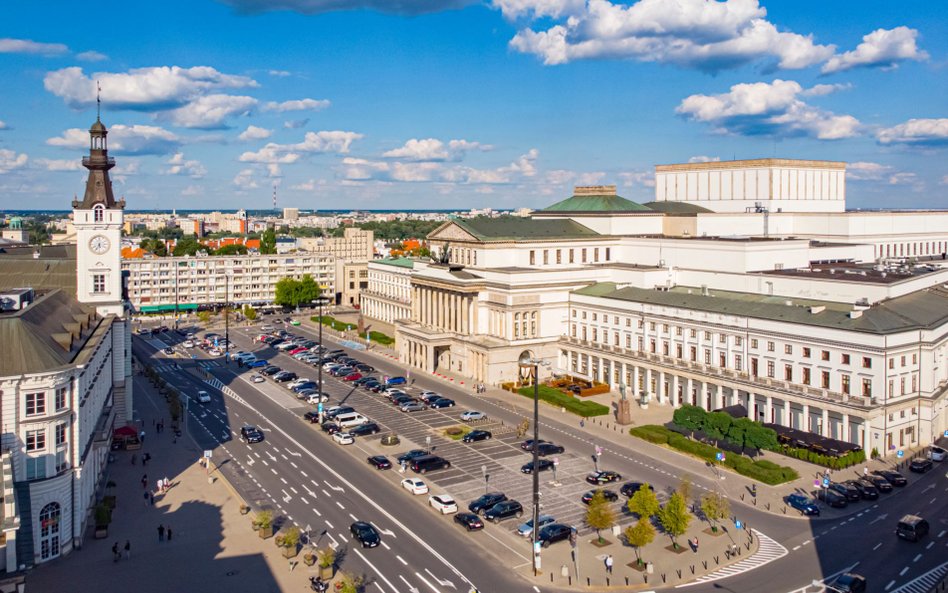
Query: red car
(296, 351)
(352, 377)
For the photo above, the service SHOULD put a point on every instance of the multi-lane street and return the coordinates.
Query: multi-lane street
(314, 482)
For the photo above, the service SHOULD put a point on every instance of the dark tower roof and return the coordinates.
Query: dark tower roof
(98, 186)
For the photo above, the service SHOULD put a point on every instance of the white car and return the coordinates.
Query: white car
(256, 379)
(936, 453)
(344, 438)
(472, 415)
(204, 397)
(298, 382)
(443, 503)
(215, 352)
(188, 344)
(317, 398)
(414, 485)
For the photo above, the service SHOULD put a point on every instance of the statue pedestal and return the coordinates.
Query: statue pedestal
(624, 413)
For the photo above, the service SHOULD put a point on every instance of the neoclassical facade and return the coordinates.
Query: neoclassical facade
(388, 295)
(812, 317)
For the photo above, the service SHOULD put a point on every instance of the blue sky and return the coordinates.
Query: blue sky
(460, 103)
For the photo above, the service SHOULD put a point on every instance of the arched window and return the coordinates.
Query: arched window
(98, 213)
(516, 325)
(49, 531)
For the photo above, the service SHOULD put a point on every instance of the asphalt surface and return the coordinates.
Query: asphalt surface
(326, 486)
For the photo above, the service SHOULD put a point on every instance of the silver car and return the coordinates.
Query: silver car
(526, 529)
(413, 407)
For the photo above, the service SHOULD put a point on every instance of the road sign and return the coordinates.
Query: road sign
(946, 434)
(826, 482)
(319, 407)
(738, 524)
(207, 453)
(556, 461)
(598, 450)
(719, 456)
(900, 454)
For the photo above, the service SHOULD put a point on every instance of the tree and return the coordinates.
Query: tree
(674, 517)
(715, 508)
(232, 249)
(268, 242)
(760, 437)
(643, 503)
(599, 515)
(187, 246)
(292, 293)
(737, 433)
(690, 417)
(250, 313)
(685, 488)
(204, 317)
(640, 535)
(717, 424)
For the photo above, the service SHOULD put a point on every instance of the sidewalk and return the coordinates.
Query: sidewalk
(211, 546)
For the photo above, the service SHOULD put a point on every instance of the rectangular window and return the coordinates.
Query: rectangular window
(770, 369)
(678, 330)
(571, 259)
(825, 355)
(867, 387)
(788, 349)
(694, 354)
(615, 336)
(665, 348)
(608, 253)
(584, 255)
(651, 326)
(845, 384)
(61, 395)
(98, 283)
(35, 468)
(546, 257)
(693, 333)
(825, 380)
(891, 363)
(770, 346)
(915, 359)
(641, 343)
(62, 463)
(559, 256)
(61, 434)
(678, 350)
(36, 440)
(866, 362)
(722, 338)
(754, 343)
(707, 356)
(738, 341)
(806, 376)
(903, 360)
(533, 258)
(806, 352)
(35, 404)
(902, 385)
(845, 358)
(788, 372)
(628, 341)
(722, 360)
(596, 254)
(651, 346)
(738, 363)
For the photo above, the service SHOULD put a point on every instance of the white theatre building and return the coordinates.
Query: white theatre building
(743, 282)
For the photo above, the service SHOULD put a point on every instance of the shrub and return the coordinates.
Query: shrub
(557, 398)
(651, 433)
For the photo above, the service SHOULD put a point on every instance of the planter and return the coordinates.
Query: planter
(265, 532)
(101, 531)
(326, 572)
(309, 559)
(244, 509)
(290, 551)
(600, 544)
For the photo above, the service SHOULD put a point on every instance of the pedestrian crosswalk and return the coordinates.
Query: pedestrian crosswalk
(215, 383)
(768, 550)
(168, 368)
(210, 364)
(926, 582)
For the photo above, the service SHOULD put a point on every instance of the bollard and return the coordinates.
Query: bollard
(716, 560)
(678, 570)
(755, 502)
(569, 580)
(705, 564)
(587, 582)
(663, 577)
(607, 581)
(768, 506)
(692, 569)
(551, 577)
(784, 510)
(742, 497)
(626, 581)
(645, 576)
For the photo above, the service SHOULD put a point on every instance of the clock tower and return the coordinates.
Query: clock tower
(98, 220)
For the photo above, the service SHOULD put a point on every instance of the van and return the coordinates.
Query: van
(351, 419)
(428, 463)
(912, 528)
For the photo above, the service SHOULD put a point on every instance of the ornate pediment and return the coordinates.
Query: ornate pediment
(451, 231)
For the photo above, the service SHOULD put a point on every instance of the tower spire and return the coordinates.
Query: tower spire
(98, 101)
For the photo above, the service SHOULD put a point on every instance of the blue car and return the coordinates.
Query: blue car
(805, 505)
(258, 363)
(396, 381)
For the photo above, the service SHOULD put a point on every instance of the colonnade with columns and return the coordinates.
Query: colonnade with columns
(376, 308)
(446, 310)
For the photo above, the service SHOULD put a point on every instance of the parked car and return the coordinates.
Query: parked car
(443, 503)
(850, 492)
(316, 398)
(527, 445)
(256, 364)
(365, 368)
(400, 400)
(352, 377)
(485, 501)
(542, 465)
(848, 582)
(312, 417)
(832, 498)
(526, 529)
(284, 376)
(865, 488)
(380, 462)
(609, 495)
(469, 521)
(271, 371)
(396, 381)
(552, 533)
(429, 463)
(937, 453)
(366, 533)
(630, 488)
(881, 484)
(805, 505)
(441, 403)
(472, 415)
(343, 438)
(256, 379)
(544, 449)
(415, 486)
(338, 411)
(504, 510)
(169, 351)
(330, 427)
(412, 406)
(365, 429)
(603, 477)
(251, 434)
(894, 477)
(477, 435)
(408, 456)
(920, 466)
(304, 385)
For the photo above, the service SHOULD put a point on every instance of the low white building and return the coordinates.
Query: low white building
(388, 295)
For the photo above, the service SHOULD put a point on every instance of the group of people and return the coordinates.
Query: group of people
(480, 388)
(117, 552)
(163, 531)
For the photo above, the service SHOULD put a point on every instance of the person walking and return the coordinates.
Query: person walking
(151, 496)
(696, 544)
(169, 533)
(144, 478)
(161, 533)
(865, 471)
(166, 484)
(128, 550)
(160, 484)
(115, 552)
(141, 437)
(146, 498)
(609, 562)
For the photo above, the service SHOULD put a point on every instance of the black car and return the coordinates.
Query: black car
(805, 505)
(330, 427)
(366, 533)
(609, 495)
(630, 488)
(365, 368)
(542, 465)
(849, 583)
(379, 461)
(442, 403)
(402, 400)
(920, 466)
(865, 488)
(552, 533)
(408, 456)
(832, 498)
(480, 504)
(169, 351)
(251, 433)
(362, 380)
(527, 445)
(365, 429)
(469, 521)
(850, 492)
(312, 417)
(603, 477)
(284, 376)
(881, 484)
(504, 510)
(477, 435)
(427, 463)
(549, 449)
(270, 371)
(893, 477)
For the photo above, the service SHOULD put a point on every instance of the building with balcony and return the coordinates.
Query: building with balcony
(387, 298)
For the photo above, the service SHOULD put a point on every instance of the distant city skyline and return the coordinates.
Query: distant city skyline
(459, 104)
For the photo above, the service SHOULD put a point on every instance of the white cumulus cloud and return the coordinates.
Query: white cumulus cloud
(210, 111)
(3, 125)
(59, 164)
(255, 133)
(297, 105)
(867, 171)
(883, 48)
(916, 132)
(709, 36)
(704, 159)
(129, 140)
(10, 160)
(91, 56)
(244, 180)
(26, 46)
(432, 149)
(178, 165)
(767, 109)
(309, 185)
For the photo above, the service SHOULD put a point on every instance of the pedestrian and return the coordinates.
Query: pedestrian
(151, 495)
(166, 483)
(169, 533)
(133, 459)
(146, 498)
(161, 533)
(145, 459)
(159, 485)
(582, 423)
(115, 552)
(128, 550)
(865, 471)
(696, 544)
(144, 479)
(141, 437)
(609, 564)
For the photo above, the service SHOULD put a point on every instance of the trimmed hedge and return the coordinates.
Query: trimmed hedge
(331, 322)
(764, 471)
(558, 398)
(842, 462)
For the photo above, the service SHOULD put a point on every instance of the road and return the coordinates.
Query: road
(306, 470)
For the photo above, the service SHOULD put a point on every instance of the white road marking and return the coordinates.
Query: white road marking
(329, 524)
(402, 560)
(425, 581)
(377, 571)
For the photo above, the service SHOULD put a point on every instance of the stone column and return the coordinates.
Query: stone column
(805, 425)
(826, 427)
(718, 396)
(674, 391)
(844, 429)
(768, 409)
(786, 413)
(635, 381)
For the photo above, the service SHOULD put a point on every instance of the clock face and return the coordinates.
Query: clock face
(99, 244)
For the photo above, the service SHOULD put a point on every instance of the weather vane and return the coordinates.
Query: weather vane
(98, 101)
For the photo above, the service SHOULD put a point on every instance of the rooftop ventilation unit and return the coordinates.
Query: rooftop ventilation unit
(817, 309)
(855, 314)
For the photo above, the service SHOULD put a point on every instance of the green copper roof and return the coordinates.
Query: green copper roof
(516, 227)
(400, 262)
(596, 203)
(669, 207)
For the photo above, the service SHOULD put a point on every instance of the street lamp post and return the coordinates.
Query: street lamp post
(226, 319)
(527, 362)
(319, 372)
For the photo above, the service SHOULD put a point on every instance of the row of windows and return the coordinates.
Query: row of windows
(36, 402)
(525, 325)
(36, 439)
(571, 254)
(908, 249)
